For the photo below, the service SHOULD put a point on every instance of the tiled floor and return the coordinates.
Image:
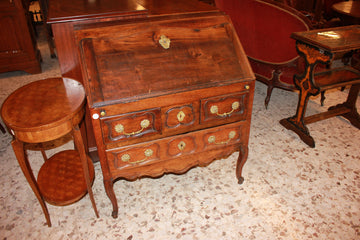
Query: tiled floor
(290, 191)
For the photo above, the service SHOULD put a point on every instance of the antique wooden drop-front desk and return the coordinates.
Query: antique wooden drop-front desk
(165, 93)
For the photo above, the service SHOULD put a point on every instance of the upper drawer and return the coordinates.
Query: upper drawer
(132, 125)
(148, 58)
(226, 107)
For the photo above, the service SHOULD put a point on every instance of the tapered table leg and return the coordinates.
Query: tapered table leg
(20, 154)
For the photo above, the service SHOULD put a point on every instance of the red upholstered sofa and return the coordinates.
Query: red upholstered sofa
(264, 28)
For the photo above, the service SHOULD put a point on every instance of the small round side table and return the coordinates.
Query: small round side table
(43, 111)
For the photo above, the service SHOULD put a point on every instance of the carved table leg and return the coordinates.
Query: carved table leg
(19, 151)
(109, 188)
(243, 154)
(305, 83)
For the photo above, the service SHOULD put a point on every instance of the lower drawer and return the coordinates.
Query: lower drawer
(155, 152)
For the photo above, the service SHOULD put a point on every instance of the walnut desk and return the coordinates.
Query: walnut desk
(166, 94)
(322, 46)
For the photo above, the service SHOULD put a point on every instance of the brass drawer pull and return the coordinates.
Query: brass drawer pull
(212, 139)
(215, 110)
(119, 128)
(127, 158)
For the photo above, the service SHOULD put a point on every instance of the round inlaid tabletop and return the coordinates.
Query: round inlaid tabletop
(43, 106)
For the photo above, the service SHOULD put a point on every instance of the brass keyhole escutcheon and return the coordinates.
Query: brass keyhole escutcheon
(164, 42)
(181, 145)
(181, 116)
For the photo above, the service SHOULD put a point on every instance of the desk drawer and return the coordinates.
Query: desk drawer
(155, 152)
(225, 107)
(132, 125)
(181, 118)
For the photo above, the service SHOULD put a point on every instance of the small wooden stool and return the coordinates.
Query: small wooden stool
(44, 111)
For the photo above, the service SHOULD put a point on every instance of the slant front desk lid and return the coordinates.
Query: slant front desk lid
(157, 56)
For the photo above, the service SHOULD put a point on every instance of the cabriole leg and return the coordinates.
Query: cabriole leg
(243, 154)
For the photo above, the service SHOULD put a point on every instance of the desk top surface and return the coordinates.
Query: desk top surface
(332, 39)
(74, 10)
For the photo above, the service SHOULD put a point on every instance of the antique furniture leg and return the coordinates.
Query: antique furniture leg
(19, 151)
(305, 83)
(2, 129)
(109, 188)
(268, 95)
(43, 154)
(352, 115)
(243, 154)
(78, 140)
(107, 178)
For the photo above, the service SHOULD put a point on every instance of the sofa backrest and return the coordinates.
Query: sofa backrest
(264, 29)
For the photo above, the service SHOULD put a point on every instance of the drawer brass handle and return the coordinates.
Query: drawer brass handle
(181, 116)
(212, 139)
(119, 128)
(215, 110)
(127, 158)
(181, 145)
(164, 42)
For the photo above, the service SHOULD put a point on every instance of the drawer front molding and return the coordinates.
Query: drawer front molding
(180, 116)
(224, 107)
(133, 125)
(136, 156)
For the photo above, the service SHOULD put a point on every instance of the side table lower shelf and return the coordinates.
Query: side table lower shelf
(61, 178)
